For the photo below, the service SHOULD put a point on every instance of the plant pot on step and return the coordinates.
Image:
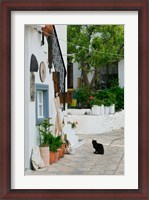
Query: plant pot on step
(53, 151)
(107, 108)
(95, 110)
(112, 109)
(63, 148)
(60, 152)
(52, 157)
(44, 152)
(102, 109)
(56, 156)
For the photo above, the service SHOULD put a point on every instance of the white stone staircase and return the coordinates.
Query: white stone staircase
(71, 135)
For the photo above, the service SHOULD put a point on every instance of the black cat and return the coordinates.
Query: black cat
(98, 147)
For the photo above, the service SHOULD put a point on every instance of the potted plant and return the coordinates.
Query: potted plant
(112, 109)
(63, 148)
(59, 146)
(107, 104)
(53, 154)
(53, 149)
(102, 107)
(95, 104)
(55, 144)
(112, 106)
(73, 124)
(64, 143)
(44, 136)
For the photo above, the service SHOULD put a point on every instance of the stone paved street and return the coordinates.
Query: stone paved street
(84, 162)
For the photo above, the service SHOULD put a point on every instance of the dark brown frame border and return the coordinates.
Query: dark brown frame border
(6, 7)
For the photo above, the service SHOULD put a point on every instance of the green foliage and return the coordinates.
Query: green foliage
(82, 95)
(55, 143)
(114, 95)
(95, 101)
(119, 93)
(73, 124)
(107, 102)
(108, 97)
(46, 136)
(94, 46)
(87, 98)
(113, 82)
(44, 132)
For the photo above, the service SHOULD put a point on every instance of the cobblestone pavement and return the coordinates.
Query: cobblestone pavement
(84, 162)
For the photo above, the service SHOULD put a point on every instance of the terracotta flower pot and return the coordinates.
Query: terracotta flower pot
(56, 156)
(63, 148)
(52, 157)
(60, 153)
(44, 152)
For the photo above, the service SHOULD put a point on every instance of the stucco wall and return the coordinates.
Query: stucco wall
(33, 46)
(90, 124)
(77, 74)
(121, 73)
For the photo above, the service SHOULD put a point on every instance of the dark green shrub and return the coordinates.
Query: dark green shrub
(95, 101)
(119, 93)
(107, 97)
(114, 95)
(86, 98)
(83, 96)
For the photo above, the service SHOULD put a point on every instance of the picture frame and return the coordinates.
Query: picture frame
(5, 104)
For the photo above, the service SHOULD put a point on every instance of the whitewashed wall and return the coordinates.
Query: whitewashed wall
(77, 74)
(33, 46)
(121, 73)
(91, 124)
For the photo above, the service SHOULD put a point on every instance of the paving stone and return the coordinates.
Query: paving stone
(84, 162)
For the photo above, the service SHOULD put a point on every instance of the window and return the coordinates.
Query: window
(42, 102)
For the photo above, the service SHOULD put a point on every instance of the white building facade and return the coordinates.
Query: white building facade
(39, 86)
(77, 74)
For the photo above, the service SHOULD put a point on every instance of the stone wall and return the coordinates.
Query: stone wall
(91, 124)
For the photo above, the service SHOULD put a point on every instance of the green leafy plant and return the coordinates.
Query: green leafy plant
(87, 98)
(106, 97)
(119, 94)
(107, 102)
(44, 132)
(55, 143)
(73, 124)
(95, 101)
(82, 95)
(58, 141)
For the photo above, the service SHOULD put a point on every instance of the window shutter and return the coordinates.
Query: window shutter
(56, 80)
(68, 97)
